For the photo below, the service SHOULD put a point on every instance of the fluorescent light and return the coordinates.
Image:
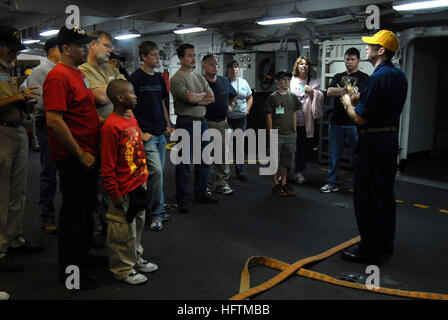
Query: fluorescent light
(189, 30)
(30, 41)
(272, 21)
(420, 5)
(49, 32)
(130, 35)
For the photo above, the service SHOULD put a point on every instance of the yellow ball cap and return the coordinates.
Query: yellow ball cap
(384, 38)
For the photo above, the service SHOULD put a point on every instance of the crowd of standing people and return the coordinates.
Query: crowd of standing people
(106, 134)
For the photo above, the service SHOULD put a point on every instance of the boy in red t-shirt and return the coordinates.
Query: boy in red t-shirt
(124, 171)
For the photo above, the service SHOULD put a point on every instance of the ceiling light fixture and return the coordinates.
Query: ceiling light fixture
(183, 30)
(129, 35)
(30, 41)
(49, 32)
(420, 5)
(283, 20)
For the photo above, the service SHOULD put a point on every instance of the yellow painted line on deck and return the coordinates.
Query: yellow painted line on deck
(169, 146)
(420, 206)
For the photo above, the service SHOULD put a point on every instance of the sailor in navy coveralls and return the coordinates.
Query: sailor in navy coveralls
(375, 161)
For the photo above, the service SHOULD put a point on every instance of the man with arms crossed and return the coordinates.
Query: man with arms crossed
(99, 73)
(192, 95)
(216, 116)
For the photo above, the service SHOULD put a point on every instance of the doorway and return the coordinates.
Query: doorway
(427, 145)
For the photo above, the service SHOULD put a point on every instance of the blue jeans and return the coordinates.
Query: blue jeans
(48, 180)
(183, 169)
(337, 135)
(155, 158)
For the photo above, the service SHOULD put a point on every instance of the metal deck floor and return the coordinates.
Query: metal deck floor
(201, 254)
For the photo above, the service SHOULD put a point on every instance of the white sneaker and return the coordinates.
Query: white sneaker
(135, 278)
(4, 295)
(143, 265)
(225, 190)
(299, 177)
(156, 225)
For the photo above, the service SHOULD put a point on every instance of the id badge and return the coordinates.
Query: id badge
(280, 110)
(125, 206)
(86, 83)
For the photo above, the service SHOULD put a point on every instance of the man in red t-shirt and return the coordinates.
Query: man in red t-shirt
(73, 135)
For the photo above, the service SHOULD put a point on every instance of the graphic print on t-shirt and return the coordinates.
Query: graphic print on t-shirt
(133, 151)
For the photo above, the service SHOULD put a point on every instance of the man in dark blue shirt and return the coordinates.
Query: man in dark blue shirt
(377, 115)
(216, 116)
(152, 116)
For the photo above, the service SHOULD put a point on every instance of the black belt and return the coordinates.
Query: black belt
(14, 124)
(371, 130)
(217, 119)
(190, 118)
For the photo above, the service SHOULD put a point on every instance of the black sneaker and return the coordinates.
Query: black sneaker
(93, 260)
(8, 264)
(206, 199)
(99, 241)
(27, 247)
(86, 281)
(183, 207)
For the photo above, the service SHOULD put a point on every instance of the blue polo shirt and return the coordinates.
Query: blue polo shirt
(223, 91)
(382, 99)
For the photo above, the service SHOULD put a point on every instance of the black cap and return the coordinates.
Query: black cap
(283, 74)
(51, 43)
(11, 38)
(76, 35)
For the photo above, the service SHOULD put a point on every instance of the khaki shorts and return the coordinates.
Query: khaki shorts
(287, 150)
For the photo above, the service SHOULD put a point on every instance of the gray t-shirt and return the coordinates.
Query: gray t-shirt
(180, 84)
(37, 79)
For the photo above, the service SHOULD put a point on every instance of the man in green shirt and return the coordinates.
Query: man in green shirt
(280, 108)
(99, 73)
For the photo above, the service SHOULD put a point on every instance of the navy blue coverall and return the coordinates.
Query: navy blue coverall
(375, 158)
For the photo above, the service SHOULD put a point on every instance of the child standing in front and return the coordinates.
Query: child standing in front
(124, 171)
(280, 108)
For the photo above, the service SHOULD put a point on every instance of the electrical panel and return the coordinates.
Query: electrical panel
(258, 69)
(285, 60)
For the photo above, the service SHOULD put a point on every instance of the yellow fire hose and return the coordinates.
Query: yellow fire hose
(288, 269)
